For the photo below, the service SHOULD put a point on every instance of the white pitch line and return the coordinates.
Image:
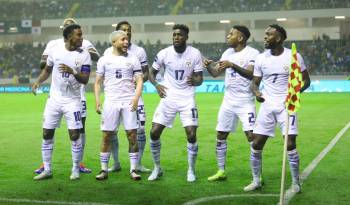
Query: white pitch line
(307, 171)
(210, 198)
(26, 201)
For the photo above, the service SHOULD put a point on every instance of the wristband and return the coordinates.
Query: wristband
(74, 72)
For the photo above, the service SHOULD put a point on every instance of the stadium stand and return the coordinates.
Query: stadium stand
(322, 56)
(58, 9)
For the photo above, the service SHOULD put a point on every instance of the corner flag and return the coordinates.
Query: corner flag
(295, 83)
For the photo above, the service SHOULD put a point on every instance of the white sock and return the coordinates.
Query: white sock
(155, 150)
(83, 141)
(221, 149)
(76, 153)
(133, 156)
(46, 153)
(255, 163)
(192, 150)
(141, 142)
(104, 158)
(293, 158)
(115, 149)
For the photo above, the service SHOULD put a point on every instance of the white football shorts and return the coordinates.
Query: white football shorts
(167, 109)
(115, 113)
(141, 110)
(271, 114)
(54, 112)
(230, 113)
(83, 108)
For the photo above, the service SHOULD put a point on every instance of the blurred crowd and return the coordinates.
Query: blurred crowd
(321, 56)
(49, 9)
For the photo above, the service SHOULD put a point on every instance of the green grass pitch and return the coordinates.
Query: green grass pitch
(321, 117)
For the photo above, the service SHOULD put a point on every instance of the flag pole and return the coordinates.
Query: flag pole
(283, 177)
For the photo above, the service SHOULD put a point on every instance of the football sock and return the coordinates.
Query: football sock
(221, 148)
(293, 158)
(76, 152)
(192, 150)
(141, 142)
(255, 163)
(115, 148)
(104, 158)
(83, 141)
(46, 152)
(155, 150)
(133, 156)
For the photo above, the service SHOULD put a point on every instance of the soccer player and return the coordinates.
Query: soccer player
(272, 69)
(183, 71)
(70, 67)
(239, 103)
(118, 71)
(140, 53)
(94, 56)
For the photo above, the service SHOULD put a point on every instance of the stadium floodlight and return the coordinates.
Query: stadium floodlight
(170, 23)
(225, 21)
(339, 17)
(281, 19)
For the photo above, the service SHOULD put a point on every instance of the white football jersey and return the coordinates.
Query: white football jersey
(86, 45)
(138, 51)
(64, 86)
(177, 67)
(119, 73)
(237, 87)
(274, 71)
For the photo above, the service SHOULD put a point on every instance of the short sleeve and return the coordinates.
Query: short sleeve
(253, 56)
(198, 62)
(143, 57)
(158, 60)
(100, 71)
(257, 66)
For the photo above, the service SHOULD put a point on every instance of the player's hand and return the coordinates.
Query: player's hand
(225, 64)
(63, 68)
(98, 108)
(161, 89)
(207, 62)
(189, 81)
(134, 103)
(259, 97)
(35, 87)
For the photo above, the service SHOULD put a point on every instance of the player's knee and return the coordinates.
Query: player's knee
(155, 133)
(48, 134)
(74, 135)
(222, 135)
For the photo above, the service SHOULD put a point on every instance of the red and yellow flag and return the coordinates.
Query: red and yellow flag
(295, 83)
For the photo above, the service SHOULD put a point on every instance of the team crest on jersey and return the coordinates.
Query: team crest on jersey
(286, 68)
(241, 62)
(77, 63)
(188, 64)
(128, 64)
